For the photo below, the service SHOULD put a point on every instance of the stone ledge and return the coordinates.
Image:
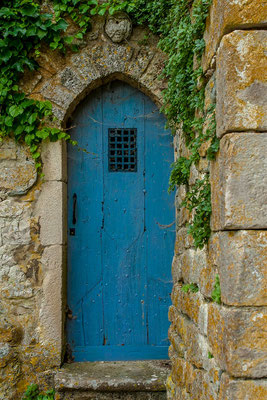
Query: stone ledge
(120, 376)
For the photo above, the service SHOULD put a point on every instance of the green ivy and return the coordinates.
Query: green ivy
(216, 293)
(190, 287)
(33, 393)
(210, 355)
(198, 202)
(24, 27)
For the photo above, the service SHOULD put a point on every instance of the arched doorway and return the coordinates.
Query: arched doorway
(120, 232)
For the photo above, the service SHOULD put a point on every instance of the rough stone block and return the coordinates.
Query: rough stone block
(52, 303)
(9, 372)
(192, 262)
(210, 99)
(188, 303)
(183, 241)
(9, 333)
(176, 269)
(176, 342)
(150, 78)
(53, 91)
(192, 383)
(29, 81)
(207, 278)
(228, 15)
(54, 161)
(71, 80)
(237, 337)
(195, 344)
(242, 265)
(181, 371)
(60, 116)
(241, 77)
(51, 209)
(110, 58)
(50, 60)
(239, 182)
(140, 62)
(17, 168)
(8, 152)
(232, 389)
(183, 214)
(85, 66)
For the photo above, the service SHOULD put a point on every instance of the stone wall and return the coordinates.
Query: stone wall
(219, 351)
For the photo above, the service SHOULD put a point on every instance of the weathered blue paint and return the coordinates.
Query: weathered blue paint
(119, 261)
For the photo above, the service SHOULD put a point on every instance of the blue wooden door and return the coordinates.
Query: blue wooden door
(120, 244)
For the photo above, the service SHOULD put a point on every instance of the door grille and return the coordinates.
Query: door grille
(122, 150)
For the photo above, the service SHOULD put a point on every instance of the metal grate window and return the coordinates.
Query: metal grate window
(122, 150)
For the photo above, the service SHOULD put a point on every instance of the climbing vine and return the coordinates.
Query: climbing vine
(181, 26)
(27, 24)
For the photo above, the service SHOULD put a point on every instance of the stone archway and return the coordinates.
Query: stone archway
(65, 81)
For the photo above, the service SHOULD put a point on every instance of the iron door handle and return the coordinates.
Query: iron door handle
(74, 220)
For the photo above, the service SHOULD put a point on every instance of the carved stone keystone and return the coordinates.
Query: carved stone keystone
(118, 27)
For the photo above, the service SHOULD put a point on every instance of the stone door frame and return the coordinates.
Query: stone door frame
(97, 64)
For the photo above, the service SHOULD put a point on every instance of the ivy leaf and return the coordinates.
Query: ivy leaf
(14, 111)
(33, 148)
(41, 33)
(62, 135)
(9, 121)
(26, 103)
(47, 16)
(29, 128)
(79, 35)
(32, 118)
(36, 155)
(18, 131)
(28, 139)
(83, 8)
(42, 134)
(29, 10)
(6, 12)
(6, 55)
(19, 66)
(68, 39)
(61, 25)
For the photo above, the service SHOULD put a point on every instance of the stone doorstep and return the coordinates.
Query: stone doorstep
(120, 376)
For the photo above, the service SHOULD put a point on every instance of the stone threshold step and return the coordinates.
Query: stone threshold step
(116, 380)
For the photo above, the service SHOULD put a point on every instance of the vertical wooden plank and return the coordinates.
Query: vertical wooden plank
(159, 214)
(85, 176)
